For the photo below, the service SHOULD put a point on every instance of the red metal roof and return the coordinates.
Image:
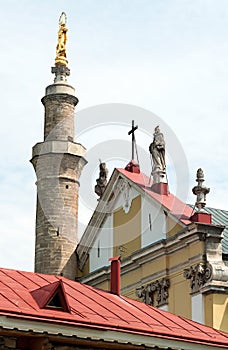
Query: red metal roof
(173, 204)
(97, 309)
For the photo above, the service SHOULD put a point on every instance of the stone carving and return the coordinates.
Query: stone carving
(198, 275)
(61, 72)
(159, 287)
(102, 180)
(145, 294)
(200, 190)
(62, 39)
(162, 287)
(157, 151)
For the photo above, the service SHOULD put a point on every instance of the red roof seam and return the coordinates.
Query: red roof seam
(22, 274)
(100, 305)
(202, 327)
(5, 297)
(19, 296)
(178, 337)
(155, 309)
(86, 305)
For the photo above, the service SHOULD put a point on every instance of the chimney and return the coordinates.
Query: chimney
(115, 275)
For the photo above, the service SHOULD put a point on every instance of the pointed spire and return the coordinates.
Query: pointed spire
(61, 70)
(200, 190)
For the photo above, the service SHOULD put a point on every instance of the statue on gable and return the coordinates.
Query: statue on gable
(102, 180)
(157, 151)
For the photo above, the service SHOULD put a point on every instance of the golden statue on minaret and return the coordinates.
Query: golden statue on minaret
(62, 39)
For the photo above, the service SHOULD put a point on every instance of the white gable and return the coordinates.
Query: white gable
(153, 222)
(102, 248)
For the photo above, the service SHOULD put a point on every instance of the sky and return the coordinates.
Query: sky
(168, 57)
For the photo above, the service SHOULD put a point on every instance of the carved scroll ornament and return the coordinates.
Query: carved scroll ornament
(198, 275)
(158, 288)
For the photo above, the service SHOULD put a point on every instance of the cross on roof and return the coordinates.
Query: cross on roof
(132, 133)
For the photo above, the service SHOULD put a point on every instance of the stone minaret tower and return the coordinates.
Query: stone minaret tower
(58, 162)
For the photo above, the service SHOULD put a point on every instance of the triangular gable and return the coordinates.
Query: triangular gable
(181, 211)
(178, 210)
(51, 296)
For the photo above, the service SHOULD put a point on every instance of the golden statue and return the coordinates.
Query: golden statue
(62, 39)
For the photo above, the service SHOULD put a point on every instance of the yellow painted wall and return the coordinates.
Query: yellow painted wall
(208, 309)
(172, 227)
(216, 311)
(186, 253)
(154, 266)
(131, 294)
(127, 229)
(179, 297)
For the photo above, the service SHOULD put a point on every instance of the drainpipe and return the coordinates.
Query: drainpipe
(115, 275)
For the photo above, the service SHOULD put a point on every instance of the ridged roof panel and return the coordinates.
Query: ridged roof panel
(90, 307)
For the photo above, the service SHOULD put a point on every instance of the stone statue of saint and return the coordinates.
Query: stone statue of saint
(62, 39)
(157, 150)
(102, 181)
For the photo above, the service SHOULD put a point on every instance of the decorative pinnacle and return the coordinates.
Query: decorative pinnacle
(200, 190)
(61, 70)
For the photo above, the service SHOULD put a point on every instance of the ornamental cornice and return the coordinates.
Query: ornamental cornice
(207, 277)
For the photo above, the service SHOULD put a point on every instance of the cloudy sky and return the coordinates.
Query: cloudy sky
(169, 57)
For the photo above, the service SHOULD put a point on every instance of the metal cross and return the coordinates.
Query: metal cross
(132, 133)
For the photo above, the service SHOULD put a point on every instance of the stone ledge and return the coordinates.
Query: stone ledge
(60, 147)
(60, 88)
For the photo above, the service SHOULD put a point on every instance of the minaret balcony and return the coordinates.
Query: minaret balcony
(60, 147)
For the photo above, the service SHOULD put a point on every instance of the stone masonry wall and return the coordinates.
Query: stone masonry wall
(58, 172)
(57, 213)
(59, 116)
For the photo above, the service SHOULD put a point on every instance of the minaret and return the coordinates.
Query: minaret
(58, 162)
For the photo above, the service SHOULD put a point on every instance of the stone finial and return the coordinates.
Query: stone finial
(61, 73)
(102, 180)
(200, 190)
